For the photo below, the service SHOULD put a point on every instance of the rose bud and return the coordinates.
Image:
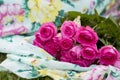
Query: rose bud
(47, 31)
(86, 35)
(38, 42)
(52, 47)
(108, 55)
(66, 43)
(89, 52)
(71, 55)
(68, 29)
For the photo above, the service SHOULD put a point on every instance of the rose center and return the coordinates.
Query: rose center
(45, 32)
(65, 44)
(73, 54)
(89, 53)
(110, 56)
(69, 31)
(86, 36)
(107, 58)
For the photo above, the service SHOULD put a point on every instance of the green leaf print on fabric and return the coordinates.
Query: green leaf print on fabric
(68, 2)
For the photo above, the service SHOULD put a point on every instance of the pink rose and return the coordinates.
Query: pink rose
(74, 56)
(52, 47)
(89, 52)
(86, 35)
(108, 55)
(75, 52)
(58, 56)
(82, 62)
(66, 43)
(64, 56)
(87, 62)
(38, 42)
(68, 29)
(71, 55)
(57, 38)
(47, 31)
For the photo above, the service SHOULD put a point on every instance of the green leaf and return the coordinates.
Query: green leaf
(96, 12)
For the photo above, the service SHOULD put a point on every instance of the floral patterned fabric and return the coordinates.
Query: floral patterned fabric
(28, 61)
(25, 16)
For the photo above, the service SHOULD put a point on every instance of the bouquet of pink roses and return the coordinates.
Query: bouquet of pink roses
(75, 44)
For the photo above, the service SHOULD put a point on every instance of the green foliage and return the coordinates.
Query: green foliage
(107, 28)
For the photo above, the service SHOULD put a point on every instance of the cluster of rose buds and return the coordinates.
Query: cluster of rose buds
(74, 44)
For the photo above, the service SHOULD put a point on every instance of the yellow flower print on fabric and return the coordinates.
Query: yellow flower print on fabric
(20, 18)
(55, 74)
(43, 10)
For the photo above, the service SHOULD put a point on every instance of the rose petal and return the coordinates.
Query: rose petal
(68, 29)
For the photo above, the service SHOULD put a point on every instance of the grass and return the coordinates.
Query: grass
(11, 76)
